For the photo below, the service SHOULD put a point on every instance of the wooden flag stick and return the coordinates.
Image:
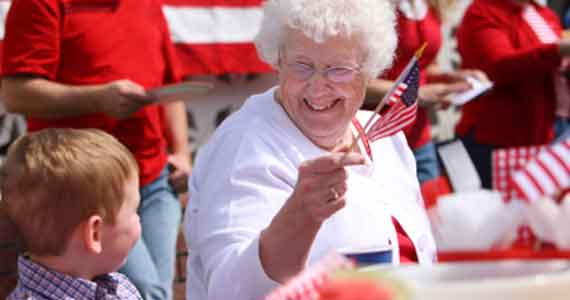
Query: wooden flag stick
(380, 105)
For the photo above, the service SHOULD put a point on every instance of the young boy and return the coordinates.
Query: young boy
(73, 195)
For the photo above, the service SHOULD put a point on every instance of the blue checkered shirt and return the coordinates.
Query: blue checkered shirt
(38, 283)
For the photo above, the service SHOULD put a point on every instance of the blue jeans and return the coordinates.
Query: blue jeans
(427, 166)
(562, 129)
(150, 264)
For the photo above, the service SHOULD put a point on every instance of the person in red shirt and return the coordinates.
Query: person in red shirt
(88, 64)
(517, 43)
(419, 23)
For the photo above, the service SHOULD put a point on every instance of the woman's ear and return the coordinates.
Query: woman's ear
(93, 234)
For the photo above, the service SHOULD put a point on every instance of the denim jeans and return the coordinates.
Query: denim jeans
(427, 166)
(562, 128)
(150, 264)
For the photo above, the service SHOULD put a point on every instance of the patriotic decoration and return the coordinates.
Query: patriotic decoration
(306, 285)
(546, 174)
(402, 101)
(210, 36)
(506, 162)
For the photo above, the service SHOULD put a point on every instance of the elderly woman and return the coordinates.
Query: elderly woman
(278, 187)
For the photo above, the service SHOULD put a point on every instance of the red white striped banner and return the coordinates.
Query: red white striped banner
(506, 162)
(211, 36)
(545, 175)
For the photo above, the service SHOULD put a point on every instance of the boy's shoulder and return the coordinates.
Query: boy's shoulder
(38, 283)
(115, 284)
(21, 292)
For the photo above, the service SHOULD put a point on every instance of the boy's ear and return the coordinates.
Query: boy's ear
(93, 234)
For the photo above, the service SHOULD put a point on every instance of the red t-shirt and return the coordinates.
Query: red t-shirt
(520, 109)
(82, 42)
(412, 34)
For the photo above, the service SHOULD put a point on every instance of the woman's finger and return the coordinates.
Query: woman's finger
(331, 162)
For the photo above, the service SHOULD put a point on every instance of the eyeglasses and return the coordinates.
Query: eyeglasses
(337, 74)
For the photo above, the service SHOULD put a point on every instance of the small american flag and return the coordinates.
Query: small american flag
(402, 101)
(546, 174)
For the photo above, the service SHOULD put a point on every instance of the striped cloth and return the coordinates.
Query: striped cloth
(547, 174)
(505, 162)
(546, 35)
(539, 26)
(211, 36)
(402, 104)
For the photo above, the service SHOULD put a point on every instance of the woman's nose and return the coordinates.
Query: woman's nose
(318, 84)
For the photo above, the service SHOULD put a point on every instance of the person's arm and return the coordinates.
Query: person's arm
(433, 95)
(318, 194)
(484, 41)
(31, 58)
(42, 98)
(376, 90)
(175, 116)
(179, 157)
(250, 221)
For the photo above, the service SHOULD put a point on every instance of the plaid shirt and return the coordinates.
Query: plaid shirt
(37, 283)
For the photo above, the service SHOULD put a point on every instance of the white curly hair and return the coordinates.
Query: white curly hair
(373, 21)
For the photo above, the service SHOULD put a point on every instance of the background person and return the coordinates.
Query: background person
(78, 64)
(517, 43)
(275, 189)
(419, 22)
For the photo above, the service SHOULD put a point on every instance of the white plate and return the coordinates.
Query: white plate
(181, 91)
(504, 280)
(477, 88)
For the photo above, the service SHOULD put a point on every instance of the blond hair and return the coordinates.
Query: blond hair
(54, 179)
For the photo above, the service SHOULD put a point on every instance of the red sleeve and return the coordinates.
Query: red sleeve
(173, 72)
(32, 38)
(485, 41)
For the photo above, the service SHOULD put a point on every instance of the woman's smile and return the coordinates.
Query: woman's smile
(321, 107)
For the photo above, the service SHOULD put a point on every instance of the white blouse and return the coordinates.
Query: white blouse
(246, 172)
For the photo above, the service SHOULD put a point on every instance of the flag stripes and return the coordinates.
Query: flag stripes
(546, 174)
(402, 101)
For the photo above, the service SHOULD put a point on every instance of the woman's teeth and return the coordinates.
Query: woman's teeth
(320, 108)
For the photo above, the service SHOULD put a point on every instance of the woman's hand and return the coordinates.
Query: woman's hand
(321, 185)
(318, 194)
(443, 85)
(439, 95)
(459, 76)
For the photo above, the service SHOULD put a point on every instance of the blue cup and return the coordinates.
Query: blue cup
(368, 256)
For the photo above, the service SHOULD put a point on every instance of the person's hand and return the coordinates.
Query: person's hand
(180, 169)
(121, 98)
(438, 95)
(564, 47)
(321, 185)
(460, 76)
